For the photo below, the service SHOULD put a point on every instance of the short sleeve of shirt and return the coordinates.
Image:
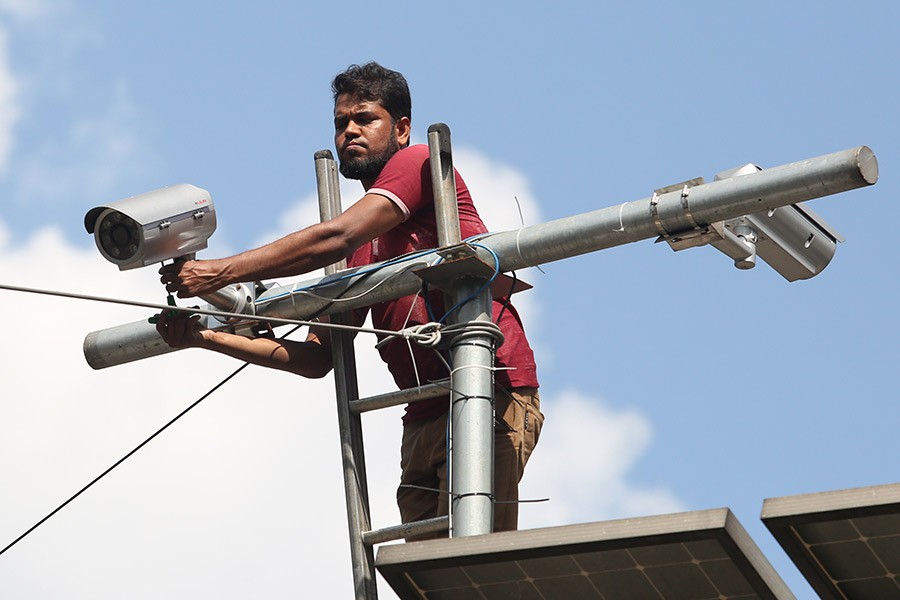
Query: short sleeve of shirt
(406, 180)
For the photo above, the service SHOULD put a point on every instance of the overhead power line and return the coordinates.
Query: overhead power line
(124, 458)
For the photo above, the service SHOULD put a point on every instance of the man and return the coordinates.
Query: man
(372, 112)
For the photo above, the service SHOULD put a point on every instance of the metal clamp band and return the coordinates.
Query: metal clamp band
(685, 192)
(654, 212)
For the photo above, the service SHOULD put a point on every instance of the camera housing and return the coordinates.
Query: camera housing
(792, 239)
(167, 223)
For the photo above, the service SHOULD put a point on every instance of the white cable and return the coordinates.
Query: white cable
(485, 367)
(412, 355)
(519, 233)
(427, 334)
(621, 222)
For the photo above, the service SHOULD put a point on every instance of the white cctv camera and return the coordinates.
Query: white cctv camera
(792, 239)
(167, 223)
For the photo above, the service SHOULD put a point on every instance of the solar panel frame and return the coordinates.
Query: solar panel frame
(460, 568)
(832, 521)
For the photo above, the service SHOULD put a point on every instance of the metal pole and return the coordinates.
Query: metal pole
(472, 415)
(443, 182)
(547, 242)
(347, 391)
(471, 439)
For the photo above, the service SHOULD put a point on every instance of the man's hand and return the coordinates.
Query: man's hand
(300, 252)
(193, 277)
(180, 330)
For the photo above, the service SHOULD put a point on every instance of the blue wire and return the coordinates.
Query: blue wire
(487, 284)
(362, 272)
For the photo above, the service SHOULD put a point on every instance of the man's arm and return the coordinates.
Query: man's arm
(311, 358)
(300, 252)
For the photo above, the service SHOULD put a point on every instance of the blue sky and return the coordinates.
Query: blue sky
(670, 381)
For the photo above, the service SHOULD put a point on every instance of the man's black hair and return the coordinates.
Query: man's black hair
(373, 83)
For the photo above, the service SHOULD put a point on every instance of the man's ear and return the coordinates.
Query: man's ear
(403, 129)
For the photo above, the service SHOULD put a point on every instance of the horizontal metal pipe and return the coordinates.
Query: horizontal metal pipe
(123, 344)
(539, 244)
(417, 394)
(396, 532)
(709, 203)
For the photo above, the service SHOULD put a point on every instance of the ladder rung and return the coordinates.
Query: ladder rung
(377, 536)
(425, 392)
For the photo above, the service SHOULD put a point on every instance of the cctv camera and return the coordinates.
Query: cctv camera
(792, 239)
(167, 223)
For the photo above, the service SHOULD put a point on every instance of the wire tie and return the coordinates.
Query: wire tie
(468, 494)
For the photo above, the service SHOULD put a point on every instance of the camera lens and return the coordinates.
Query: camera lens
(119, 236)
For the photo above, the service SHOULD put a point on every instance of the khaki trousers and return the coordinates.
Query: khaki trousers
(423, 460)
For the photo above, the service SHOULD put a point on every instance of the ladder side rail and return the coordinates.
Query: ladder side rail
(347, 391)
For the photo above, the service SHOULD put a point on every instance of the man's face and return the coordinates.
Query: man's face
(365, 137)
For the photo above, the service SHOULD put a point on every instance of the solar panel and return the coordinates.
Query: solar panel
(685, 556)
(846, 543)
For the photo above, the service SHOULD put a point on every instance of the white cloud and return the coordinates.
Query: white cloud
(243, 496)
(497, 189)
(10, 111)
(28, 10)
(582, 462)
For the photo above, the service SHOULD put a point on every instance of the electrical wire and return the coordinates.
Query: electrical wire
(214, 313)
(124, 458)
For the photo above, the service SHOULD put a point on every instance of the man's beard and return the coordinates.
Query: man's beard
(369, 167)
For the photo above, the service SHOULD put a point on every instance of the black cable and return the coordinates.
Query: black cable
(124, 458)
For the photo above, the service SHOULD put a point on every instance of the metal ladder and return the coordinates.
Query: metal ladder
(462, 276)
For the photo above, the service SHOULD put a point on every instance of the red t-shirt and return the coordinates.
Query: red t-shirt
(406, 180)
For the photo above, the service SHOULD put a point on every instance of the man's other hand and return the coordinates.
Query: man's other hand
(180, 329)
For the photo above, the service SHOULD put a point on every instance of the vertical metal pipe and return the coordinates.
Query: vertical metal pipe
(328, 189)
(472, 359)
(346, 391)
(472, 416)
(443, 181)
